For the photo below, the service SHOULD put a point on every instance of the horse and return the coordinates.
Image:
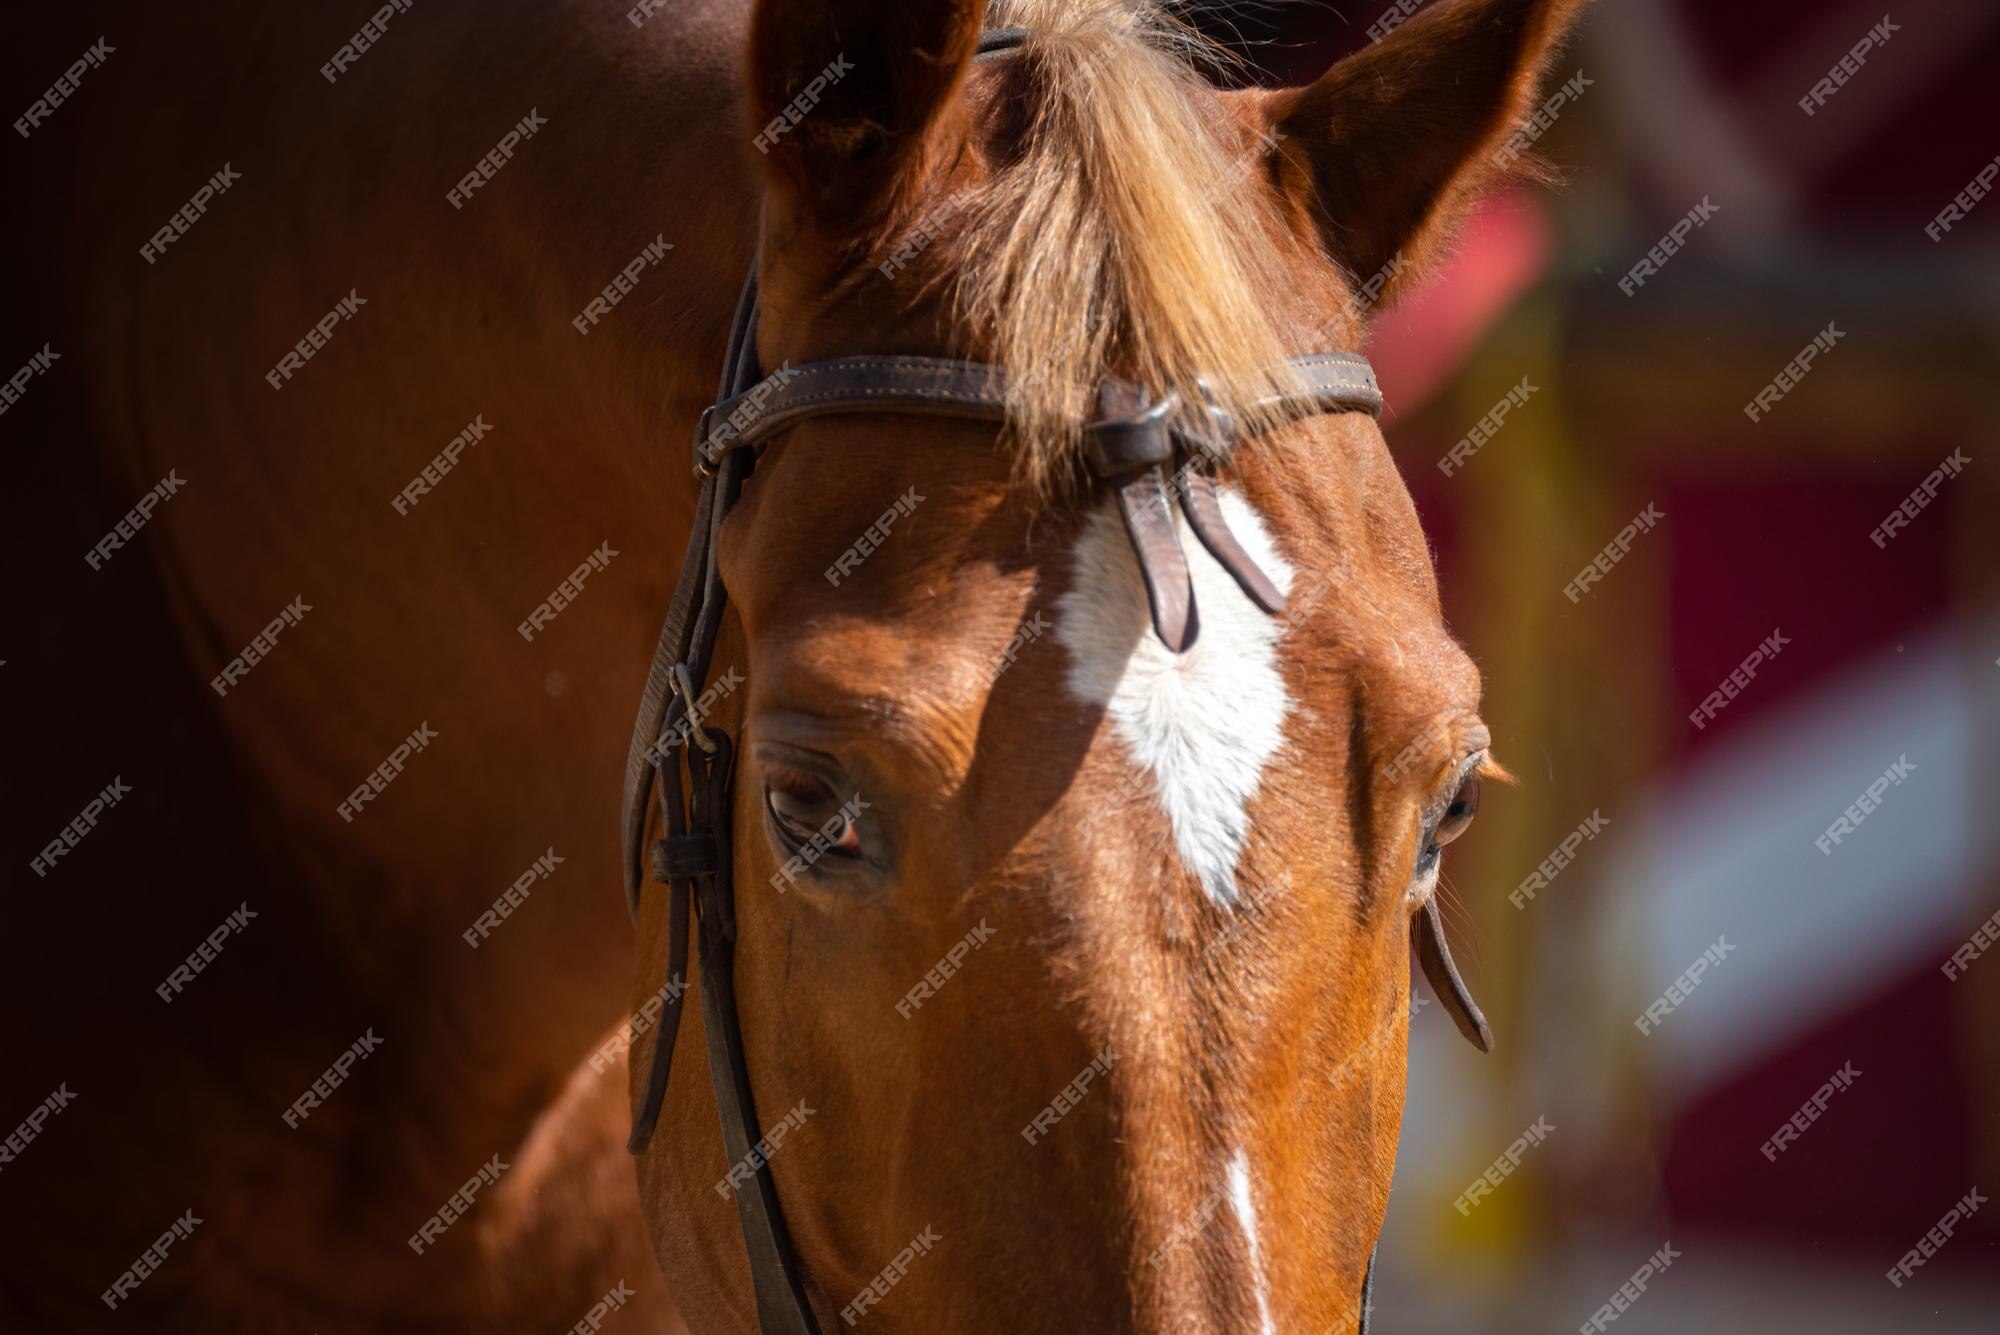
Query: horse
(1093, 1014)
(1073, 954)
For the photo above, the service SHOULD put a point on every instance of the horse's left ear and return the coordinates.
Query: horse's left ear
(1394, 143)
(846, 94)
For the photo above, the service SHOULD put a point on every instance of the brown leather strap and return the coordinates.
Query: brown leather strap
(777, 1277)
(642, 753)
(933, 386)
(667, 1028)
(942, 387)
(1204, 512)
(1131, 444)
(1149, 522)
(1130, 448)
(1368, 1291)
(1442, 971)
(1338, 380)
(695, 859)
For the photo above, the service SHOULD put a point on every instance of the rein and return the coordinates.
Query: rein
(1136, 446)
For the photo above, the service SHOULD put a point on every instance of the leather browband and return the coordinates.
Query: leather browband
(1132, 444)
(941, 387)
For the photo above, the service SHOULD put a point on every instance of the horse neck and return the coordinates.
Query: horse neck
(288, 493)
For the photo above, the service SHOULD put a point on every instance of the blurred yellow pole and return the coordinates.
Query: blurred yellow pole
(1572, 695)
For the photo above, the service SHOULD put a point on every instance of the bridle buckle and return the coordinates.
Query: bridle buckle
(684, 687)
(1211, 443)
(1129, 434)
(704, 465)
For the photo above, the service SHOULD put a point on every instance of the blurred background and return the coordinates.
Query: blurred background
(1834, 961)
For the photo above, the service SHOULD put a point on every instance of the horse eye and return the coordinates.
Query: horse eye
(1458, 816)
(811, 814)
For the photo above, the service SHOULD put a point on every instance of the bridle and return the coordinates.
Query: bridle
(1153, 463)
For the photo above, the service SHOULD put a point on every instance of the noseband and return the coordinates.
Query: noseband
(1153, 463)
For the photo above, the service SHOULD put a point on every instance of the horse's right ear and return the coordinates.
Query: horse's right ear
(846, 97)
(1394, 144)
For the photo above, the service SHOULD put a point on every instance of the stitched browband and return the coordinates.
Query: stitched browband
(941, 387)
(1134, 444)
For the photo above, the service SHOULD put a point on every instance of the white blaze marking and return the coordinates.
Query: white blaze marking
(1204, 723)
(1244, 1203)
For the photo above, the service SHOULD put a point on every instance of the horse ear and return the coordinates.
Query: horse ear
(1393, 144)
(845, 94)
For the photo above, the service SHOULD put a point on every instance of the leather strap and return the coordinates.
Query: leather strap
(649, 729)
(694, 859)
(1444, 978)
(933, 386)
(1368, 1290)
(1204, 513)
(1337, 381)
(1130, 448)
(1442, 971)
(777, 1276)
(944, 387)
(1131, 444)
(668, 1027)
(1149, 523)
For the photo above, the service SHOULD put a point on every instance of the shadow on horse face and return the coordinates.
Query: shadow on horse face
(1071, 960)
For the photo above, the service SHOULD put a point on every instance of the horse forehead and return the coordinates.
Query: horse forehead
(1205, 725)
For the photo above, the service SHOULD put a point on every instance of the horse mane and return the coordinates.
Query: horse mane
(1126, 233)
